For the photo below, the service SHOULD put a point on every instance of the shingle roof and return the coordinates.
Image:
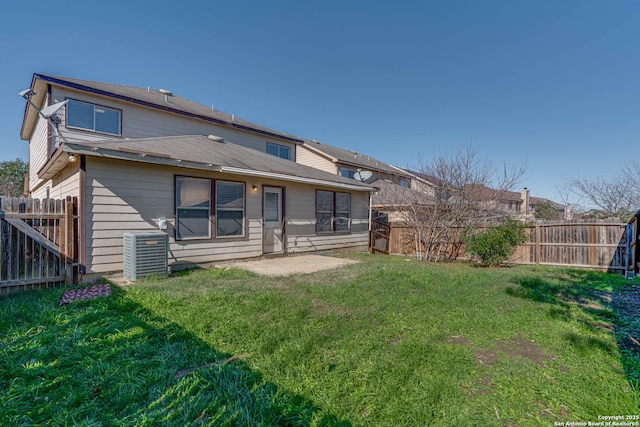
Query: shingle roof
(155, 99)
(205, 153)
(351, 157)
(390, 194)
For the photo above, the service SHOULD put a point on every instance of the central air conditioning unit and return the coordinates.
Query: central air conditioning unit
(145, 254)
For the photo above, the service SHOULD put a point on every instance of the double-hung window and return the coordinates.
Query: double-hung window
(324, 212)
(229, 209)
(343, 213)
(94, 118)
(333, 212)
(278, 150)
(193, 208)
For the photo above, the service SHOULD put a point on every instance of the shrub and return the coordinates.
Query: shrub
(496, 244)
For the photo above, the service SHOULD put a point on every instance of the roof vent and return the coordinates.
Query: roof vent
(166, 93)
(215, 138)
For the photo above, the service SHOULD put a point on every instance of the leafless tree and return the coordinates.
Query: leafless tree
(467, 192)
(618, 196)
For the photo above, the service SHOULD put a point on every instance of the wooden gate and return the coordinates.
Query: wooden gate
(379, 237)
(38, 243)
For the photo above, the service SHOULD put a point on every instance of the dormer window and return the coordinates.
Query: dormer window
(94, 118)
(347, 172)
(278, 150)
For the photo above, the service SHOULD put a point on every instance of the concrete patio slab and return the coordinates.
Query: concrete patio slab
(285, 266)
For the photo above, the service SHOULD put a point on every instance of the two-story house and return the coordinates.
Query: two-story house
(349, 164)
(140, 159)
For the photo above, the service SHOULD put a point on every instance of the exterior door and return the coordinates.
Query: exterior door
(273, 235)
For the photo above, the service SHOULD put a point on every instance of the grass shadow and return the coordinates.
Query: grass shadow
(110, 361)
(597, 301)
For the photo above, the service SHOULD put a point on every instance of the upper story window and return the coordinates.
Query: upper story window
(347, 172)
(405, 183)
(94, 118)
(278, 150)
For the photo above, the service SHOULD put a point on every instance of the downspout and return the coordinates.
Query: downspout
(370, 223)
(370, 210)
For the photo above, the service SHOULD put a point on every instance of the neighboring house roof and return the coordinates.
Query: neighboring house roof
(427, 179)
(347, 157)
(147, 97)
(394, 195)
(541, 200)
(482, 192)
(199, 152)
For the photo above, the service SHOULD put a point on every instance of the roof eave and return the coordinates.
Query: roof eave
(101, 92)
(319, 152)
(169, 161)
(30, 116)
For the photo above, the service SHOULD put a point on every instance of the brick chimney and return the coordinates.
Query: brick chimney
(524, 197)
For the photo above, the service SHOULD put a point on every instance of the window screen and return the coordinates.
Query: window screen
(193, 208)
(229, 209)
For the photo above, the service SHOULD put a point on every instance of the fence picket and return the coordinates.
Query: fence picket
(32, 236)
(599, 245)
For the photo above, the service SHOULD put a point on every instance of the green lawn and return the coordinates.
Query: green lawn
(386, 342)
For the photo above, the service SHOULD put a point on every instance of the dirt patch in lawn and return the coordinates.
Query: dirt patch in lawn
(322, 308)
(514, 347)
(525, 348)
(459, 339)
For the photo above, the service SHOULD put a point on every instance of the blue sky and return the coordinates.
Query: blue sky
(553, 83)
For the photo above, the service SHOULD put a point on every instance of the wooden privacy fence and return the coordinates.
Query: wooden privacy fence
(599, 245)
(633, 235)
(38, 243)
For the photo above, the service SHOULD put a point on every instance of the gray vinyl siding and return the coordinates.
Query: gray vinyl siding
(301, 224)
(124, 197)
(141, 122)
(310, 158)
(132, 197)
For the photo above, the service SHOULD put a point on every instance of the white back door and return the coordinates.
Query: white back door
(273, 235)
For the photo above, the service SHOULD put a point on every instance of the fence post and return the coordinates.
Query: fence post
(68, 240)
(537, 242)
(635, 236)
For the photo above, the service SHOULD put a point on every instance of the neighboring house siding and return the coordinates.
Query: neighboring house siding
(310, 158)
(38, 152)
(422, 187)
(375, 175)
(142, 122)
